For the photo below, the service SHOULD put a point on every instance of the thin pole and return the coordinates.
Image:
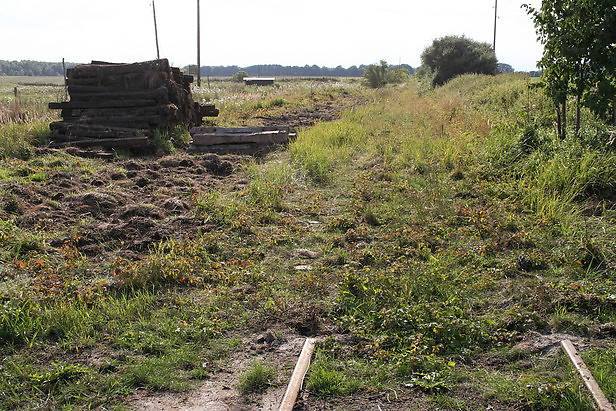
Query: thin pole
(65, 82)
(156, 31)
(198, 45)
(495, 15)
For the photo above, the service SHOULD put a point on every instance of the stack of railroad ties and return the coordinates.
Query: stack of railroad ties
(123, 105)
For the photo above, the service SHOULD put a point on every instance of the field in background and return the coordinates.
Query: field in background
(440, 243)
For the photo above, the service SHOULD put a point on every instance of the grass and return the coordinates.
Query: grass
(257, 378)
(446, 226)
(326, 380)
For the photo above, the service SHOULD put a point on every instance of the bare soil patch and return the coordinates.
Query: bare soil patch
(127, 205)
(220, 391)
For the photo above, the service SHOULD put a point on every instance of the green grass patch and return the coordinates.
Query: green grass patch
(326, 379)
(258, 377)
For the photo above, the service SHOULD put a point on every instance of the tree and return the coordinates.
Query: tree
(451, 56)
(398, 75)
(375, 76)
(239, 76)
(579, 57)
(378, 75)
(504, 68)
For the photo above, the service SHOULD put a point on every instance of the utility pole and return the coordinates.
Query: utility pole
(198, 45)
(156, 31)
(495, 15)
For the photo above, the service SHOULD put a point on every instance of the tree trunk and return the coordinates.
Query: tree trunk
(559, 120)
(578, 115)
(564, 115)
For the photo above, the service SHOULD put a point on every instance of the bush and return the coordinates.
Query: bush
(239, 76)
(452, 56)
(398, 76)
(375, 76)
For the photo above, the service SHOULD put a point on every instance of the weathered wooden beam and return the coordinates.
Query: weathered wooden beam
(160, 93)
(263, 137)
(93, 130)
(166, 110)
(208, 110)
(103, 104)
(237, 130)
(107, 142)
(591, 384)
(112, 69)
(100, 89)
(297, 378)
(122, 121)
(138, 80)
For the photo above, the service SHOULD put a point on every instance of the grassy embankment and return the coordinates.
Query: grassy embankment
(447, 227)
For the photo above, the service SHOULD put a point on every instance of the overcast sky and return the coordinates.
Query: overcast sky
(248, 32)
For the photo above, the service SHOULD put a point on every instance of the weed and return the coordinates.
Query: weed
(602, 363)
(60, 372)
(257, 378)
(269, 184)
(159, 373)
(169, 141)
(325, 379)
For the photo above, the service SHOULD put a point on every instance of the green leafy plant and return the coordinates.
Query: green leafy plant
(398, 75)
(578, 57)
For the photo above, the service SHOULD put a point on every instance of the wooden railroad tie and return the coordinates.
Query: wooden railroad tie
(591, 384)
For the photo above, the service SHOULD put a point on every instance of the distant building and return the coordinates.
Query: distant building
(259, 81)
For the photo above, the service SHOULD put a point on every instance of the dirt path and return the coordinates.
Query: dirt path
(220, 391)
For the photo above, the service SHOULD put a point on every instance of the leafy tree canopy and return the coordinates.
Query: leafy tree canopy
(504, 68)
(375, 75)
(451, 56)
(239, 76)
(31, 68)
(398, 75)
(579, 52)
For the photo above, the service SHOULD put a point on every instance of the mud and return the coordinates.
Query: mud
(125, 205)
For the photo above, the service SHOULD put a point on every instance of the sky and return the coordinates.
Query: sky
(250, 32)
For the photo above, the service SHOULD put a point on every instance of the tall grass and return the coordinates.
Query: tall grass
(268, 183)
(401, 129)
(322, 148)
(17, 140)
(520, 143)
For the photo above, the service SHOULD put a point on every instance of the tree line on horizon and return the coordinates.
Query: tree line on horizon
(277, 70)
(32, 68)
(40, 68)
